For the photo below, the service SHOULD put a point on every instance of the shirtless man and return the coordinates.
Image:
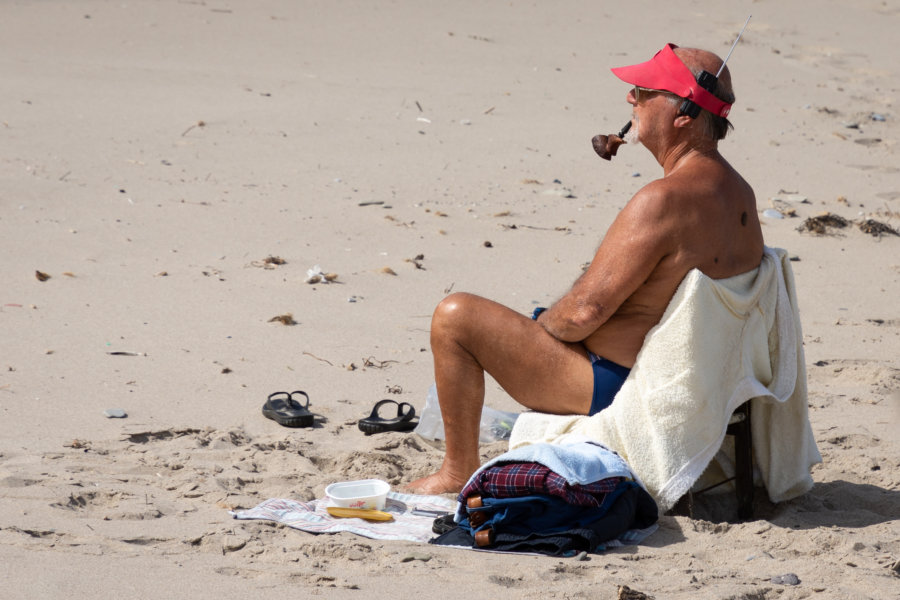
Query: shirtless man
(700, 214)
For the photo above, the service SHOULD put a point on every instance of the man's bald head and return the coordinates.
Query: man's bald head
(714, 126)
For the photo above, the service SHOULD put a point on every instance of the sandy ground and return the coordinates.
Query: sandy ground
(155, 153)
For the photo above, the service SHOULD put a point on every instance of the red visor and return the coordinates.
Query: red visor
(665, 71)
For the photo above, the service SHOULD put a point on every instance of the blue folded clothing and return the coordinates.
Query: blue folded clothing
(629, 519)
(538, 513)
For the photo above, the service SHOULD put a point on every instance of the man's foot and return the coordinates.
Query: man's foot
(436, 483)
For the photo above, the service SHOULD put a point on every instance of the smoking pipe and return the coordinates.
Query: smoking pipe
(606, 146)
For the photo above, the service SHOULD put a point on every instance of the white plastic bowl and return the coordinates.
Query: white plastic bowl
(367, 493)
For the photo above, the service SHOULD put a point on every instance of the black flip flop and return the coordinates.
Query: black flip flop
(402, 422)
(284, 410)
(443, 524)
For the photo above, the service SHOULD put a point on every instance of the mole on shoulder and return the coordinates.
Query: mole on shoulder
(744, 219)
(716, 260)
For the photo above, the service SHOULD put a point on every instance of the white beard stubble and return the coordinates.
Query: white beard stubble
(634, 135)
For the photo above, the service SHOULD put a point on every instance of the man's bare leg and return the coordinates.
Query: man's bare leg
(471, 335)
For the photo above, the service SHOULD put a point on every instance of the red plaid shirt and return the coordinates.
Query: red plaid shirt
(512, 480)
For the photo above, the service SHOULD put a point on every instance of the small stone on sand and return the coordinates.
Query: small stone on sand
(786, 579)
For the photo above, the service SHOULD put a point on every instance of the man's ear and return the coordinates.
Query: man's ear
(682, 121)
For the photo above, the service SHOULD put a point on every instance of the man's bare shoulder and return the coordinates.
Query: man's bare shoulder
(707, 178)
(651, 198)
(653, 204)
(644, 231)
(693, 193)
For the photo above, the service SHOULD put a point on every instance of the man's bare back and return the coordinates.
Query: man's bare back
(706, 213)
(701, 214)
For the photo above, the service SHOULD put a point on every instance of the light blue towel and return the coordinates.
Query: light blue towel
(579, 462)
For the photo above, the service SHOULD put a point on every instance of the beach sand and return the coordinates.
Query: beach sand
(156, 153)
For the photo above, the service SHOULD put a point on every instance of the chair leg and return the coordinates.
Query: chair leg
(739, 428)
(743, 463)
(684, 507)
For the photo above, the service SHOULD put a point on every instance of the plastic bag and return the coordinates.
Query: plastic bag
(431, 425)
(495, 424)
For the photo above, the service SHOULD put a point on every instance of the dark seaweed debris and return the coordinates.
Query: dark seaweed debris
(821, 223)
(877, 228)
(825, 223)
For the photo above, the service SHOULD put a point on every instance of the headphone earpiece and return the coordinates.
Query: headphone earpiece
(690, 109)
(708, 82)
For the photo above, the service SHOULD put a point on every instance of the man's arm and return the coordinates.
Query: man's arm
(639, 238)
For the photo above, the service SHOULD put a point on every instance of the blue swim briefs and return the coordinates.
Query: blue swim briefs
(608, 376)
(608, 379)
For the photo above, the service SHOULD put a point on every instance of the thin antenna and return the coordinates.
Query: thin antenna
(733, 45)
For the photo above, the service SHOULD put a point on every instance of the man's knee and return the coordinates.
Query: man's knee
(457, 318)
(451, 308)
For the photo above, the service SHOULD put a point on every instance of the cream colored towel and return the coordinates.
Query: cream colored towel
(719, 344)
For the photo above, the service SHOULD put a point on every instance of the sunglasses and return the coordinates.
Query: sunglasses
(637, 91)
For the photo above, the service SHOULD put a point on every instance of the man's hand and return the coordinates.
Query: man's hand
(560, 323)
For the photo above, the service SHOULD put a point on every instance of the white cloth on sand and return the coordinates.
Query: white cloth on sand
(313, 517)
(719, 344)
